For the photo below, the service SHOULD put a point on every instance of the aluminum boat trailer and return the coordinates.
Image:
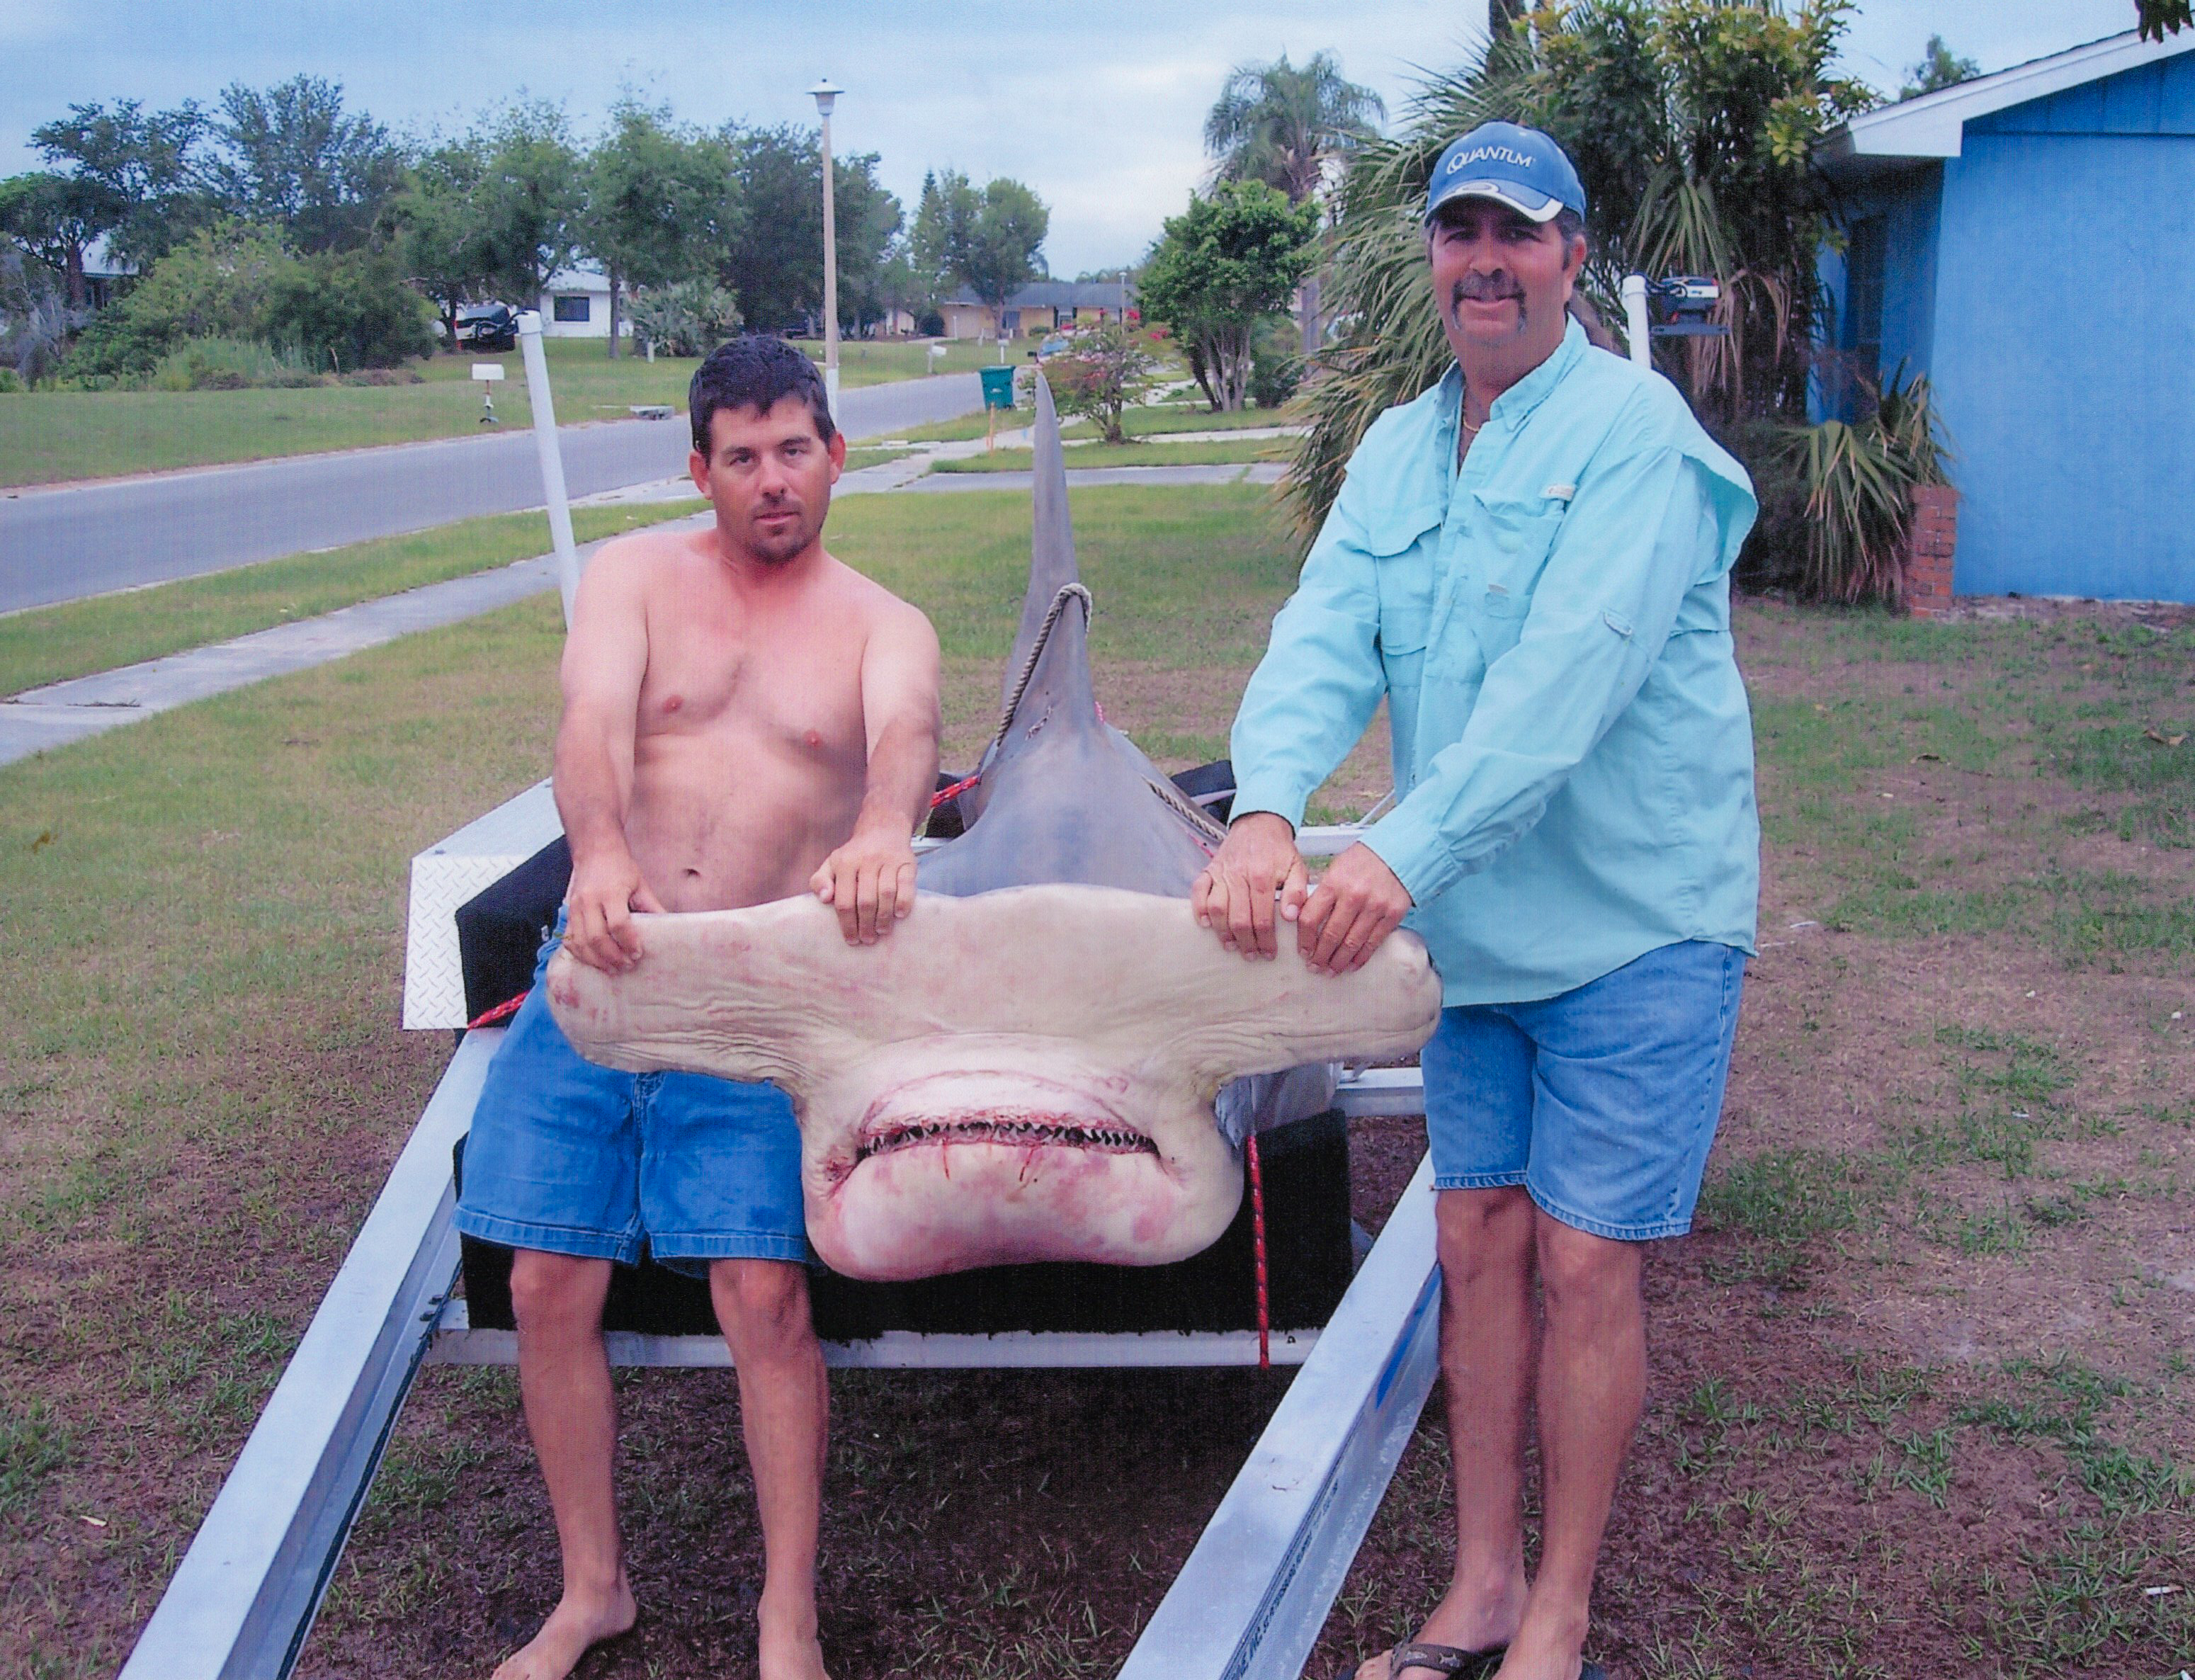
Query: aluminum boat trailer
(1247, 1604)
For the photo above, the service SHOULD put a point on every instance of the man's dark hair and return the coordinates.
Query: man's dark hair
(755, 372)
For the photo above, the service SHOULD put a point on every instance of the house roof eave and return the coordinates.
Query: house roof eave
(1933, 125)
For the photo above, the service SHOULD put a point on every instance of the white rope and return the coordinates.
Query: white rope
(1066, 592)
(1196, 815)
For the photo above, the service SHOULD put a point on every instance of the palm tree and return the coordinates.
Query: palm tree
(1690, 122)
(1286, 125)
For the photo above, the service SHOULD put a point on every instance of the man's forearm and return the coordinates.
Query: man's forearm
(901, 775)
(594, 792)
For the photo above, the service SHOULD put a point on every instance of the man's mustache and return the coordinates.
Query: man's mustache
(1486, 288)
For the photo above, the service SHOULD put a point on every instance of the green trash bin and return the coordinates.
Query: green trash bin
(998, 386)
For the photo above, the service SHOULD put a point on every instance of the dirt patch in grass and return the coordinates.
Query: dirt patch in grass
(1920, 1402)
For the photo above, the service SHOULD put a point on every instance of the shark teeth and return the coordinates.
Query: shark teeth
(1010, 1132)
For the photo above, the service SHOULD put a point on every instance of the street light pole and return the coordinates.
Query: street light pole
(826, 97)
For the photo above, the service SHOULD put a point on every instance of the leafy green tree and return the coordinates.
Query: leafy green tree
(1292, 128)
(868, 219)
(1228, 262)
(347, 311)
(291, 157)
(775, 264)
(144, 164)
(903, 284)
(655, 190)
(1940, 67)
(988, 238)
(926, 235)
(448, 252)
(527, 202)
(217, 284)
(51, 218)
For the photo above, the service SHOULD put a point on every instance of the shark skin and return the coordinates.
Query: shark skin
(1026, 1068)
(1025, 1074)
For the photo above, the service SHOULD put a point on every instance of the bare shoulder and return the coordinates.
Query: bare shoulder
(639, 553)
(639, 566)
(877, 608)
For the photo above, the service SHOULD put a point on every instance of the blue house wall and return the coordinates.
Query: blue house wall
(2045, 281)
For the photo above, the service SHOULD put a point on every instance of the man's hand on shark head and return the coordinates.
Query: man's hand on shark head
(598, 910)
(1357, 904)
(870, 882)
(1236, 896)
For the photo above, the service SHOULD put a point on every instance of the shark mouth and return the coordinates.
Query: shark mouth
(943, 1109)
(1019, 1131)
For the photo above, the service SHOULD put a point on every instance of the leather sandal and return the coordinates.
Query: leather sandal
(1451, 1661)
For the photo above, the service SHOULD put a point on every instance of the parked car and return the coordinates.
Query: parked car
(488, 326)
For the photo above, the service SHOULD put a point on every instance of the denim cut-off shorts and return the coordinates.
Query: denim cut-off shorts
(1600, 1101)
(570, 1158)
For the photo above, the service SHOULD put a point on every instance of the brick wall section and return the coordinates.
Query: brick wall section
(1929, 548)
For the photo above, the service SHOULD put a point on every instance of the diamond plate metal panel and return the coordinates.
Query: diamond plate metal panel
(443, 877)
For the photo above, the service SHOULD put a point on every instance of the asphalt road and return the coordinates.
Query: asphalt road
(88, 539)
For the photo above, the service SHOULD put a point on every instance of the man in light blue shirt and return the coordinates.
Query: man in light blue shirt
(1531, 565)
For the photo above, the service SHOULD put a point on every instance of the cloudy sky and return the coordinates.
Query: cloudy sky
(1100, 107)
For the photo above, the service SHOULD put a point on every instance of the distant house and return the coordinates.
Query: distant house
(2025, 239)
(576, 304)
(102, 271)
(1040, 307)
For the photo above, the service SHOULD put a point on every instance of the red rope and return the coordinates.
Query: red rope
(955, 791)
(1258, 1244)
(502, 1011)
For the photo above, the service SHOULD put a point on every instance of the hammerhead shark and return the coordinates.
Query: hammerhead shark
(1048, 1059)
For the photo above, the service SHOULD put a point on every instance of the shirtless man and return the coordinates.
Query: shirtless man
(744, 719)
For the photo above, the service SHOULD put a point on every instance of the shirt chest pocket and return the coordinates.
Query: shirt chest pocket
(1513, 535)
(1400, 544)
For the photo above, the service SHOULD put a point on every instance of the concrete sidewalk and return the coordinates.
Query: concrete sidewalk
(40, 719)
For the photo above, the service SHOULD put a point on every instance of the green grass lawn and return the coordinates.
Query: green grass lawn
(1922, 1372)
(1137, 423)
(859, 457)
(48, 644)
(50, 437)
(1218, 453)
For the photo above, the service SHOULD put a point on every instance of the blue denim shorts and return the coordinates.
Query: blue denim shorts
(570, 1158)
(1600, 1101)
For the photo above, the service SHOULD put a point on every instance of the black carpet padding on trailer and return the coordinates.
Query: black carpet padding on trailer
(500, 929)
(1308, 1261)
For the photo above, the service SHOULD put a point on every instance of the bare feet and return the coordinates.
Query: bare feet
(1540, 1652)
(786, 1644)
(577, 1622)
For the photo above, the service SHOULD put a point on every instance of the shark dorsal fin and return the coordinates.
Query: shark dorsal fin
(1060, 684)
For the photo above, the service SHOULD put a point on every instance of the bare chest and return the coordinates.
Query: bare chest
(794, 688)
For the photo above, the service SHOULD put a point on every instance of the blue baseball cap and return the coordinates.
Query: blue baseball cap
(1521, 168)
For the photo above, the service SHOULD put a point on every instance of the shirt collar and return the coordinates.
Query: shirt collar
(1513, 404)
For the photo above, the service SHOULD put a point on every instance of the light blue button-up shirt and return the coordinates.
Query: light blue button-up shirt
(1549, 625)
